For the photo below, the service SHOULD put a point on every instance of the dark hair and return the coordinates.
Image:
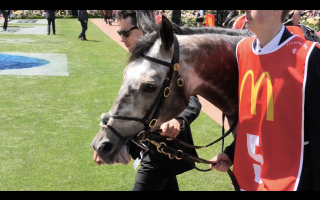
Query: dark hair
(290, 15)
(285, 16)
(124, 14)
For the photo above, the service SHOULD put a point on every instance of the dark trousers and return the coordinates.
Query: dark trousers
(149, 179)
(307, 182)
(5, 16)
(51, 21)
(84, 28)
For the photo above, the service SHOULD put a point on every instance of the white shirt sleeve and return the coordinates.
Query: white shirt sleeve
(201, 13)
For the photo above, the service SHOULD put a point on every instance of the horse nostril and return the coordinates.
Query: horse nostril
(106, 147)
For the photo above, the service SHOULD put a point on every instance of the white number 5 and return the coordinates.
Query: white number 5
(252, 142)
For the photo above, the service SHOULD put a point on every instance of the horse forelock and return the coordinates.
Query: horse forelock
(143, 45)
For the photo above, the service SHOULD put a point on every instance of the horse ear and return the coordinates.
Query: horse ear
(166, 33)
(146, 21)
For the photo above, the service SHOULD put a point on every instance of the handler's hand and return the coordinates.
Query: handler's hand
(223, 162)
(171, 128)
(97, 159)
(85, 21)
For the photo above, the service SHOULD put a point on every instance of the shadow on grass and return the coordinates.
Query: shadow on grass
(93, 41)
(58, 34)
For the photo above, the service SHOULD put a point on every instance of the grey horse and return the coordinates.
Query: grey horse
(208, 66)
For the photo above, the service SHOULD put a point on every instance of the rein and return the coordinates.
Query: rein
(145, 135)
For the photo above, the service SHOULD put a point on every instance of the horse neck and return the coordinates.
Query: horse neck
(209, 68)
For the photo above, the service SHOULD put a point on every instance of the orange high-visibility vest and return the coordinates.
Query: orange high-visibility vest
(270, 134)
(296, 30)
(239, 23)
(159, 19)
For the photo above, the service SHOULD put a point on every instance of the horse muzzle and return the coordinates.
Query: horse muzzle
(108, 152)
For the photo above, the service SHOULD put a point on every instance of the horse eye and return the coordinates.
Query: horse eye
(150, 88)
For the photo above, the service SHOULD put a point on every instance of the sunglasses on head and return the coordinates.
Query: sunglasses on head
(125, 33)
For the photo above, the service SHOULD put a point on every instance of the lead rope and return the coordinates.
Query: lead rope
(172, 153)
(230, 173)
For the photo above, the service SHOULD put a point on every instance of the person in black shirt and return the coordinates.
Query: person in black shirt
(83, 18)
(50, 16)
(232, 14)
(5, 14)
(176, 17)
(157, 171)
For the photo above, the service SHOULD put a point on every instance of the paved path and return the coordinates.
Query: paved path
(111, 31)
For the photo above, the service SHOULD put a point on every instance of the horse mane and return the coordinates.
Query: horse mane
(143, 45)
(210, 30)
(147, 41)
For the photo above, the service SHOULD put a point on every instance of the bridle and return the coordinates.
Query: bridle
(149, 123)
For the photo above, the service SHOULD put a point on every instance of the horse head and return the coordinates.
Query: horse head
(142, 82)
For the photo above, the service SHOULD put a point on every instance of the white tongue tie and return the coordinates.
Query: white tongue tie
(123, 155)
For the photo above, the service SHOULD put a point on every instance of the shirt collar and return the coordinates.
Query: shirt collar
(271, 45)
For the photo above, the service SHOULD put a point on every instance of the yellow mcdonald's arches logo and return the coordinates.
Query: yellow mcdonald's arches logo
(254, 93)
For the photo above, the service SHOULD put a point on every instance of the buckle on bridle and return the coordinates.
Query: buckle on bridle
(158, 147)
(166, 92)
(140, 136)
(152, 123)
(177, 157)
(180, 82)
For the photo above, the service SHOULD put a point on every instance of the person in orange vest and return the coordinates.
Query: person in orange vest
(159, 17)
(292, 24)
(239, 23)
(278, 134)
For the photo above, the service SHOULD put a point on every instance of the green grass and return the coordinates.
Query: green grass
(48, 122)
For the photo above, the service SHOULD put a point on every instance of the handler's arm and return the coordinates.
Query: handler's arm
(224, 160)
(192, 111)
(173, 127)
